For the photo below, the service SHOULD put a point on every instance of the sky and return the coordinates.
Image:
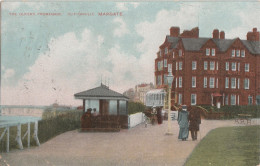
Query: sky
(47, 59)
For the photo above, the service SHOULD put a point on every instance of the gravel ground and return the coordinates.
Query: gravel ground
(138, 146)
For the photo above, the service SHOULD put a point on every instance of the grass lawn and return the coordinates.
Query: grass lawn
(238, 146)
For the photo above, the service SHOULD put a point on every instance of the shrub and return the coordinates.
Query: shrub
(135, 107)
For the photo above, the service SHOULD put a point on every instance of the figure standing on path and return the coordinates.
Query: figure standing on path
(183, 123)
(195, 121)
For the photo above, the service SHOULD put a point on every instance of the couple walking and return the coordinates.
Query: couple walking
(188, 121)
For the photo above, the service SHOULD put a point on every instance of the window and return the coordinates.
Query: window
(226, 100)
(227, 82)
(159, 80)
(173, 54)
(234, 66)
(238, 53)
(227, 66)
(165, 62)
(193, 82)
(233, 53)
(205, 82)
(217, 66)
(176, 65)
(238, 83)
(217, 83)
(176, 82)
(243, 53)
(180, 52)
(205, 65)
(180, 99)
(237, 99)
(180, 65)
(250, 100)
(193, 99)
(246, 67)
(238, 66)
(207, 51)
(194, 65)
(233, 100)
(213, 51)
(233, 83)
(246, 83)
(159, 65)
(211, 82)
(169, 68)
(165, 79)
(212, 65)
(180, 82)
(166, 50)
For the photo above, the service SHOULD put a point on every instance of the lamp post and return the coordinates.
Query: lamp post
(169, 80)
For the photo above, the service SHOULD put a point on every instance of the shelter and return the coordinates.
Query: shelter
(110, 106)
(155, 98)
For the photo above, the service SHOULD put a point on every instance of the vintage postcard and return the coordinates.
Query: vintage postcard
(122, 83)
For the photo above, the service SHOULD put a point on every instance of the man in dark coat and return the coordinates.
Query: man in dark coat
(195, 121)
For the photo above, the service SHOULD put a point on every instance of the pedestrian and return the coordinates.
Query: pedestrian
(195, 121)
(183, 123)
(159, 115)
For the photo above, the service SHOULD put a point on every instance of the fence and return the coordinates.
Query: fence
(135, 119)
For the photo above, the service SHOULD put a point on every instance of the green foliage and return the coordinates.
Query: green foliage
(233, 111)
(53, 124)
(134, 107)
(228, 146)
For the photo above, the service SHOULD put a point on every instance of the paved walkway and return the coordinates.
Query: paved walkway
(138, 146)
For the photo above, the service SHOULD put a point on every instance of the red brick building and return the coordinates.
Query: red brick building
(210, 70)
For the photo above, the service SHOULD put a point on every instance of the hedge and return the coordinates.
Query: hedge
(135, 107)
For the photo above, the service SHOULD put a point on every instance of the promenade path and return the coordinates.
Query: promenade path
(138, 146)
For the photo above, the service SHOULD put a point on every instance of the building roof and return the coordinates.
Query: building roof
(101, 92)
(195, 44)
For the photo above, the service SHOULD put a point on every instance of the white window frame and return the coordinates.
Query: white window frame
(193, 97)
(180, 52)
(233, 66)
(205, 82)
(180, 65)
(233, 99)
(237, 53)
(205, 65)
(180, 82)
(233, 53)
(246, 83)
(176, 80)
(173, 54)
(217, 83)
(177, 66)
(238, 83)
(207, 51)
(227, 66)
(193, 82)
(180, 99)
(243, 53)
(212, 82)
(237, 99)
(217, 66)
(233, 83)
(213, 51)
(212, 67)
(194, 65)
(238, 66)
(165, 62)
(247, 66)
(227, 82)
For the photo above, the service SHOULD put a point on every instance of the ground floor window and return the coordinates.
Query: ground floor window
(180, 99)
(250, 100)
(226, 100)
(193, 99)
(233, 100)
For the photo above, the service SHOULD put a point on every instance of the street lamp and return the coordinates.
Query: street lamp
(169, 80)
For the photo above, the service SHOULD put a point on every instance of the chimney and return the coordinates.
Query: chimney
(215, 34)
(193, 33)
(174, 31)
(222, 35)
(253, 36)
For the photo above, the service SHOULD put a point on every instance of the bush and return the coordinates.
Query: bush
(134, 107)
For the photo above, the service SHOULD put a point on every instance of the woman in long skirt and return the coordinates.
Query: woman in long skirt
(183, 123)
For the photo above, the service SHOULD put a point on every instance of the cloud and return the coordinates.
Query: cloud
(154, 32)
(123, 6)
(8, 73)
(72, 64)
(121, 29)
(12, 6)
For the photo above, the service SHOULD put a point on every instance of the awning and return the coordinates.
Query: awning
(216, 94)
